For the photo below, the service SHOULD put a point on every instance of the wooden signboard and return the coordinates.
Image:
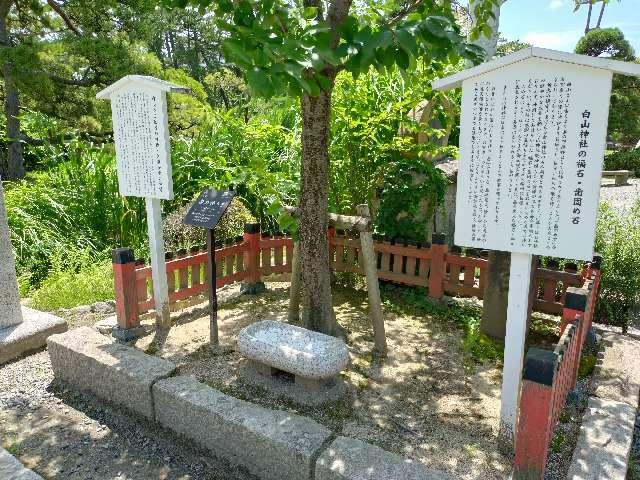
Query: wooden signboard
(532, 140)
(143, 161)
(206, 212)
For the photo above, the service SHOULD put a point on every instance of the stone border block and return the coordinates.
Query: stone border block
(604, 443)
(30, 335)
(273, 444)
(120, 374)
(12, 469)
(351, 459)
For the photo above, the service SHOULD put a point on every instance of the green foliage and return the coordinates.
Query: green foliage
(587, 365)
(368, 114)
(624, 112)
(179, 236)
(413, 188)
(284, 47)
(75, 204)
(476, 346)
(618, 240)
(609, 42)
(624, 160)
(66, 288)
(505, 48)
(557, 442)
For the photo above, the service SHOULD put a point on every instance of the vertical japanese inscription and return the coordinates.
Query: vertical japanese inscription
(142, 151)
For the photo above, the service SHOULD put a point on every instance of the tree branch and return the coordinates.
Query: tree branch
(65, 18)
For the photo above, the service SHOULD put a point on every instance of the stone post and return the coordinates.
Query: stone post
(10, 309)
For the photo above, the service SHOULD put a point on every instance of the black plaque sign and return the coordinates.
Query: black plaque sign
(208, 209)
(206, 212)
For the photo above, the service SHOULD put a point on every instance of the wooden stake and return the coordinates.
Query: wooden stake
(373, 288)
(158, 267)
(296, 284)
(514, 344)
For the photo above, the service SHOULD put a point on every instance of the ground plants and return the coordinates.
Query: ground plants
(618, 240)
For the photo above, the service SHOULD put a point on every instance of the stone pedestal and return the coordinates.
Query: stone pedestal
(28, 335)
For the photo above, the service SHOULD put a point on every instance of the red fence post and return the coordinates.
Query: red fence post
(253, 282)
(536, 412)
(439, 250)
(124, 283)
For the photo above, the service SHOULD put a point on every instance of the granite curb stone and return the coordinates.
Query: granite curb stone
(273, 444)
(120, 374)
(604, 443)
(31, 334)
(351, 459)
(12, 469)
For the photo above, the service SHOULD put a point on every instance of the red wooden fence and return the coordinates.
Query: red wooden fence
(253, 256)
(549, 375)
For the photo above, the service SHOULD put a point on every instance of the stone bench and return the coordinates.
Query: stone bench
(621, 176)
(314, 359)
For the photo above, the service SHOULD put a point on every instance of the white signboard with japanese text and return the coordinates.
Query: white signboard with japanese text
(141, 135)
(531, 149)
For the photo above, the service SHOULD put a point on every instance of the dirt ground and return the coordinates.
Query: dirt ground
(424, 401)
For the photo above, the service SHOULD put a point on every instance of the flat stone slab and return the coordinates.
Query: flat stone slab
(120, 374)
(12, 469)
(29, 335)
(351, 459)
(272, 444)
(604, 442)
(617, 376)
(293, 349)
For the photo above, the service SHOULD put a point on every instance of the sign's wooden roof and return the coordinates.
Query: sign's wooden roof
(616, 66)
(145, 80)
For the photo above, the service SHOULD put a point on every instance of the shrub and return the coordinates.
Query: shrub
(179, 236)
(618, 240)
(91, 281)
(624, 160)
(412, 189)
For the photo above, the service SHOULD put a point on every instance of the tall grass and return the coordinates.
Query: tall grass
(74, 205)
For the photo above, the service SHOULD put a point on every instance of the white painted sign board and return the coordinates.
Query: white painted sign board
(532, 143)
(532, 139)
(141, 135)
(143, 158)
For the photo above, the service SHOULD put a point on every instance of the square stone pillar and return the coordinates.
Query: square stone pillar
(10, 310)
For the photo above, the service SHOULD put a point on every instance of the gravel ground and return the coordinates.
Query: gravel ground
(423, 401)
(621, 198)
(64, 435)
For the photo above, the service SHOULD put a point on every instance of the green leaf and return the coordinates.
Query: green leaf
(260, 82)
(235, 51)
(402, 59)
(407, 42)
(310, 12)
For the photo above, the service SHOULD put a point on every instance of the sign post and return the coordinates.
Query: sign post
(143, 158)
(206, 212)
(532, 139)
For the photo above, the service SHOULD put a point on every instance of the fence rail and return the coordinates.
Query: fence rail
(255, 255)
(549, 375)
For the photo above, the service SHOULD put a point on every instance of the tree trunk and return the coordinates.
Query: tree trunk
(496, 295)
(604, 4)
(314, 185)
(588, 26)
(13, 166)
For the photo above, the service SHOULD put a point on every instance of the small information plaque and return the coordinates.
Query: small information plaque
(208, 209)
